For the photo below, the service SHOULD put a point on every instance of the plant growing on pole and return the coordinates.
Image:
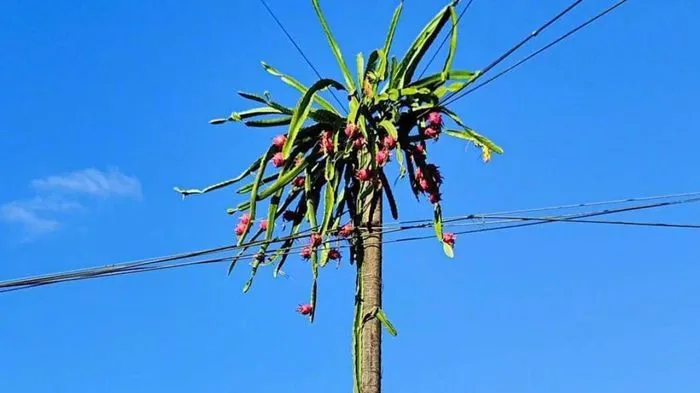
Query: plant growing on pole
(328, 168)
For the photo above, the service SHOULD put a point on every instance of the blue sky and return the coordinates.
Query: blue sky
(105, 108)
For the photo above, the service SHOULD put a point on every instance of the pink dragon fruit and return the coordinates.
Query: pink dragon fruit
(289, 215)
(364, 174)
(299, 181)
(304, 309)
(240, 229)
(435, 119)
(449, 238)
(381, 157)
(326, 142)
(306, 252)
(389, 143)
(351, 130)
(434, 197)
(433, 171)
(278, 160)
(316, 239)
(345, 230)
(419, 150)
(334, 254)
(359, 143)
(423, 184)
(431, 132)
(279, 141)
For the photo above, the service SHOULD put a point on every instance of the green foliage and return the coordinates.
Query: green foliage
(302, 110)
(327, 163)
(334, 47)
(384, 320)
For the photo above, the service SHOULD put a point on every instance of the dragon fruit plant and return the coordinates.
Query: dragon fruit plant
(317, 174)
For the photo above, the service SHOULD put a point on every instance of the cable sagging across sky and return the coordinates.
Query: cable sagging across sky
(485, 223)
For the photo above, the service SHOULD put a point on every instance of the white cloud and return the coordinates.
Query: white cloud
(15, 212)
(56, 195)
(42, 203)
(93, 182)
(31, 214)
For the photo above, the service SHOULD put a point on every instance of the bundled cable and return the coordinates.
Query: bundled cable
(484, 222)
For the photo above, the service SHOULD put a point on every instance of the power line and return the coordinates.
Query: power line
(140, 267)
(143, 269)
(522, 42)
(619, 210)
(144, 263)
(539, 221)
(557, 207)
(298, 48)
(398, 225)
(129, 265)
(461, 14)
(450, 100)
(550, 219)
(608, 222)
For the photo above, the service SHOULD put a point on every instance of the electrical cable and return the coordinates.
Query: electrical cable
(450, 100)
(399, 225)
(577, 216)
(444, 40)
(631, 223)
(522, 42)
(553, 208)
(133, 268)
(301, 52)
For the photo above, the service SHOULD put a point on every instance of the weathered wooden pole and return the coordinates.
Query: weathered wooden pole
(371, 295)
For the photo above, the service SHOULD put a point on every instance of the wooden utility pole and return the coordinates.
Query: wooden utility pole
(371, 295)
